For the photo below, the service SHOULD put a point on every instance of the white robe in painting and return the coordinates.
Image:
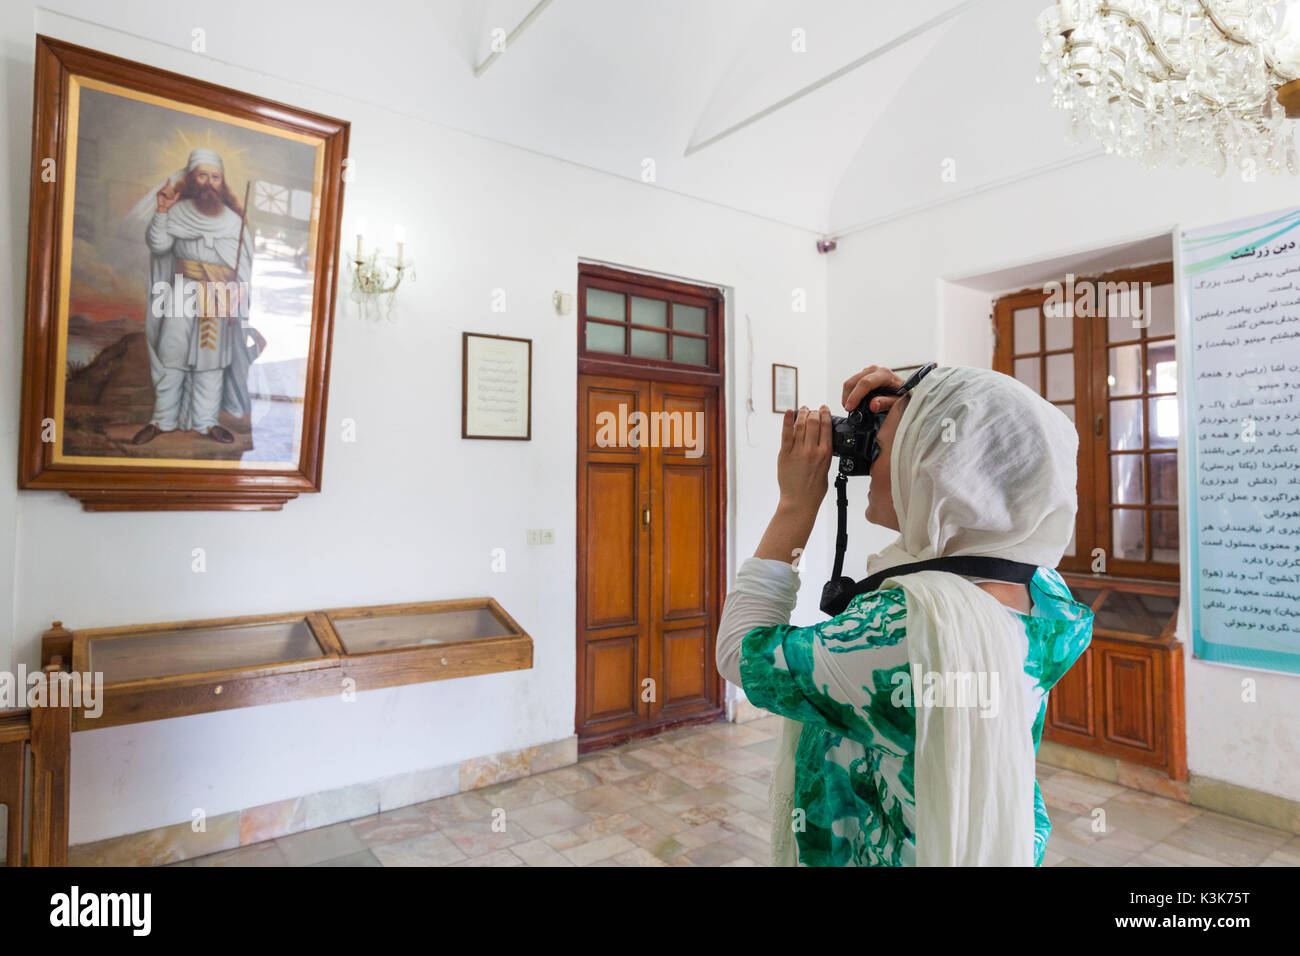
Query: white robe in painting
(196, 376)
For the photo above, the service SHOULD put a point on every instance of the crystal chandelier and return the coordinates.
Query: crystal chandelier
(1210, 82)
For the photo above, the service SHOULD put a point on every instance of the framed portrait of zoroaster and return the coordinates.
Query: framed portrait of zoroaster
(182, 270)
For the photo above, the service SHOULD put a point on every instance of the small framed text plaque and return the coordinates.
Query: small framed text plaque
(497, 387)
(785, 388)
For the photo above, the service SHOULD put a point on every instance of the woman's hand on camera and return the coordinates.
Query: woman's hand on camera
(805, 458)
(801, 469)
(860, 384)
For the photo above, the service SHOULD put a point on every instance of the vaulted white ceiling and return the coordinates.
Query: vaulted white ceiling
(618, 84)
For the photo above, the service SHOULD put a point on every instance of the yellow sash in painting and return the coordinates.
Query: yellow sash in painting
(217, 298)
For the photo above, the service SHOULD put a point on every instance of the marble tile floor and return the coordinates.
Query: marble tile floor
(698, 797)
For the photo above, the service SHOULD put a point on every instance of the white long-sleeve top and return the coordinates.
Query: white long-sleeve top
(765, 594)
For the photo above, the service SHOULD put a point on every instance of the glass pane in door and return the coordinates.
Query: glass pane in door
(688, 318)
(1128, 534)
(606, 338)
(1127, 486)
(1026, 332)
(690, 351)
(1126, 424)
(604, 304)
(1060, 377)
(649, 344)
(1125, 370)
(1029, 371)
(649, 312)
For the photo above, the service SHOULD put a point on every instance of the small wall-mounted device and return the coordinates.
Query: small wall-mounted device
(826, 245)
(563, 302)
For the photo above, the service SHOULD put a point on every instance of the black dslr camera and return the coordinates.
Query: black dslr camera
(853, 437)
(854, 443)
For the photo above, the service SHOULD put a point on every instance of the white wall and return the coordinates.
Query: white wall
(886, 307)
(409, 511)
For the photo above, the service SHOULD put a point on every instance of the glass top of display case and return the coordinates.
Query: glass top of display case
(182, 651)
(407, 628)
(1086, 596)
(158, 671)
(1128, 608)
(1146, 615)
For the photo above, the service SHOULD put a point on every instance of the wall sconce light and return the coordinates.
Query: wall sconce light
(375, 275)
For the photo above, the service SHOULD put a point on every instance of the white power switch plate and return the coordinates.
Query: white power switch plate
(541, 535)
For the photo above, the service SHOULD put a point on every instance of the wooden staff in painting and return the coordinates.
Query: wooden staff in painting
(239, 247)
(248, 342)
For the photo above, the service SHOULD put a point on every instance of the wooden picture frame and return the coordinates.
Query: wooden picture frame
(140, 397)
(476, 421)
(779, 409)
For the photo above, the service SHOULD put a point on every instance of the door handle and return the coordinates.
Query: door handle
(645, 517)
(1100, 424)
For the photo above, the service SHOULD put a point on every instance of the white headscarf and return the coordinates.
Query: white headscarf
(980, 465)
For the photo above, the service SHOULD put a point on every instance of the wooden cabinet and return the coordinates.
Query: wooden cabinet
(35, 758)
(411, 643)
(1124, 696)
(156, 671)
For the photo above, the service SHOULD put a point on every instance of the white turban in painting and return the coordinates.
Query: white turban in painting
(205, 157)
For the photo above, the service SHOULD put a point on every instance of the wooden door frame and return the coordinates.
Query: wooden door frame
(1092, 394)
(619, 366)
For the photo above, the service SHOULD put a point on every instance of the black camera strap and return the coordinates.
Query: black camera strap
(841, 520)
(840, 590)
(976, 565)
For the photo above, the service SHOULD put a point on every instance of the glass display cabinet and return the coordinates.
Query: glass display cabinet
(1124, 696)
(156, 671)
(410, 643)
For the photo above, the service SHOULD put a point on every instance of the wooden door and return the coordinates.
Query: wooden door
(649, 535)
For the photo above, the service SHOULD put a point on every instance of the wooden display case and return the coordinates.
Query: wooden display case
(157, 671)
(195, 667)
(1124, 696)
(409, 643)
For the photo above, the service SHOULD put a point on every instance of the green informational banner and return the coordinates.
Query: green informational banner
(1239, 318)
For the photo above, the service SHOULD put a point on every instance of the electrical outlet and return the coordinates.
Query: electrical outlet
(541, 535)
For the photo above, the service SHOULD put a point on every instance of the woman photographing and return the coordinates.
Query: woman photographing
(913, 718)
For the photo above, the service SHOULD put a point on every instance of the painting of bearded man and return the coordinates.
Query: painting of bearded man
(182, 269)
(190, 293)
(198, 358)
